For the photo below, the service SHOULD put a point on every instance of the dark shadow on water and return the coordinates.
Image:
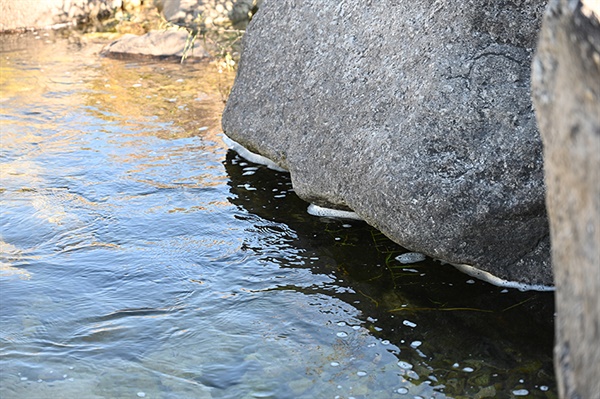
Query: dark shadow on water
(476, 339)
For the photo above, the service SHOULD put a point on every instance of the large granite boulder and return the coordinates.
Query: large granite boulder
(416, 115)
(566, 91)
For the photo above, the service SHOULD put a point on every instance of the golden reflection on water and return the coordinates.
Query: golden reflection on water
(190, 97)
(51, 80)
(9, 252)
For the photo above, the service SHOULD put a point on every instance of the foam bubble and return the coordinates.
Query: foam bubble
(410, 257)
(409, 323)
(490, 278)
(316, 210)
(251, 156)
(405, 365)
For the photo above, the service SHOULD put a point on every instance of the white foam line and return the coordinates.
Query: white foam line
(251, 156)
(490, 278)
(316, 210)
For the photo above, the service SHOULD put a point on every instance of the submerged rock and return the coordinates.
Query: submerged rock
(566, 82)
(161, 44)
(416, 116)
(410, 257)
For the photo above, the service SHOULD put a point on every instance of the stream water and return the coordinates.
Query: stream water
(141, 258)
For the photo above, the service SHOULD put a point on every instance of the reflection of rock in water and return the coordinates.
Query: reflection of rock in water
(478, 326)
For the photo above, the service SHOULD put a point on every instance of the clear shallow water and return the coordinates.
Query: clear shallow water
(140, 258)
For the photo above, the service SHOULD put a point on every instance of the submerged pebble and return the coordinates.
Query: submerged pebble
(409, 323)
(520, 392)
(410, 257)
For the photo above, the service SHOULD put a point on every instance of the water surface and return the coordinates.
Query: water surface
(141, 258)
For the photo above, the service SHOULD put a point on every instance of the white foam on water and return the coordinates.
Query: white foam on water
(251, 156)
(409, 323)
(316, 210)
(405, 365)
(410, 257)
(490, 278)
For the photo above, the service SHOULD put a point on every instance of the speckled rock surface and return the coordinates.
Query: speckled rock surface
(416, 115)
(566, 92)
